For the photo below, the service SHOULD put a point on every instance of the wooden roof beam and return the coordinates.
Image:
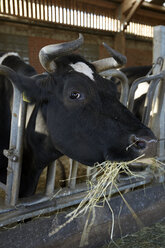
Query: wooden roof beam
(127, 9)
(151, 14)
(100, 3)
(153, 6)
(134, 8)
(127, 5)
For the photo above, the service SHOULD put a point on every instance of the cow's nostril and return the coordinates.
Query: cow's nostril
(138, 143)
(146, 145)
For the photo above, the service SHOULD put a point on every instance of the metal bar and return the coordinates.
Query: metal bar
(157, 67)
(149, 101)
(73, 173)
(124, 83)
(158, 121)
(13, 141)
(75, 193)
(15, 148)
(135, 85)
(19, 148)
(20, 213)
(50, 180)
(145, 203)
(91, 174)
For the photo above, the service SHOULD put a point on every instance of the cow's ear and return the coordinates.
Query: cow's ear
(29, 86)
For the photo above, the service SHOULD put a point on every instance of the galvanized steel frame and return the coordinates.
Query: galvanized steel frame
(19, 209)
(14, 154)
(15, 209)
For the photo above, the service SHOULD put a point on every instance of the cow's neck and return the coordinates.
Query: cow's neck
(38, 138)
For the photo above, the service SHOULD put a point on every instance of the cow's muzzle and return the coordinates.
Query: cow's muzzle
(143, 145)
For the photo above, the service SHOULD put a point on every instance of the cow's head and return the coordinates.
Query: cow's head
(84, 118)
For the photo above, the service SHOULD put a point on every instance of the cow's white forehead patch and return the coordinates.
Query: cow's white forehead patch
(3, 57)
(83, 68)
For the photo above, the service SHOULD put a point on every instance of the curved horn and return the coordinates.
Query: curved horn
(116, 61)
(49, 53)
(120, 58)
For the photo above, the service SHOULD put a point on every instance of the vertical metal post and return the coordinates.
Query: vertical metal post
(15, 148)
(50, 180)
(91, 174)
(72, 174)
(158, 120)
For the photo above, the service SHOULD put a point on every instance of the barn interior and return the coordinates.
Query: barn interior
(135, 28)
(31, 25)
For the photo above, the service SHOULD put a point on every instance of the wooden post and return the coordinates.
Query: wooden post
(120, 42)
(124, 14)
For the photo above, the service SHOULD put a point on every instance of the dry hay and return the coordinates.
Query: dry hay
(100, 193)
(147, 237)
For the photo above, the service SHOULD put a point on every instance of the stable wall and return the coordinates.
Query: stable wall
(28, 39)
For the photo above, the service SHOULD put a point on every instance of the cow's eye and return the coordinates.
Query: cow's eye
(75, 95)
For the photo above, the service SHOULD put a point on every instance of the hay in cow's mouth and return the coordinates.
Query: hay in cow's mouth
(101, 190)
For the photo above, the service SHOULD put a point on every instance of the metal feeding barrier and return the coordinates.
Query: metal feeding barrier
(13, 209)
(14, 154)
(153, 110)
(109, 74)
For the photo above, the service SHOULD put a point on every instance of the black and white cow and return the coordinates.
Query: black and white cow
(133, 73)
(81, 114)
